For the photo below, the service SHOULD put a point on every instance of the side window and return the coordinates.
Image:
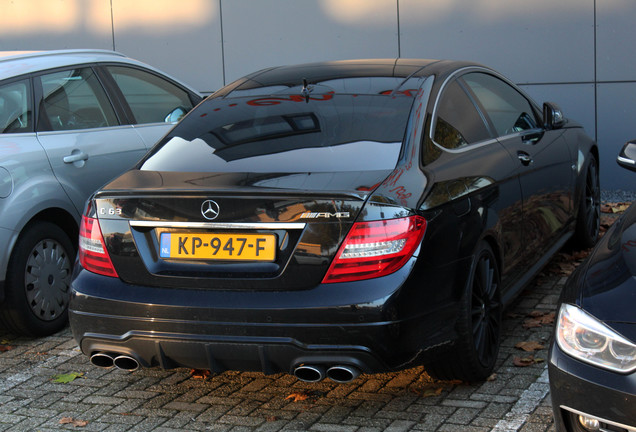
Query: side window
(509, 110)
(458, 122)
(16, 114)
(151, 99)
(75, 99)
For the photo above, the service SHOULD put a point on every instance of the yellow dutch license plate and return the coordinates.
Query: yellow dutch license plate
(239, 247)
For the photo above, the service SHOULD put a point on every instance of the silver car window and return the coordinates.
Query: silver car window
(151, 99)
(75, 99)
(15, 107)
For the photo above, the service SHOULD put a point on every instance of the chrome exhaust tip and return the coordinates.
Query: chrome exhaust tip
(126, 362)
(342, 374)
(102, 360)
(310, 373)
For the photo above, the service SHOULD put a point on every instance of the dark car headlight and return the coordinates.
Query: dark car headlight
(584, 337)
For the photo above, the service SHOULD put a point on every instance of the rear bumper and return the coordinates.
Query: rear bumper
(217, 353)
(360, 324)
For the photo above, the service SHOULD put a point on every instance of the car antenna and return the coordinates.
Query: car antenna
(305, 91)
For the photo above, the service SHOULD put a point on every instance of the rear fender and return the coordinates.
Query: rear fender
(25, 203)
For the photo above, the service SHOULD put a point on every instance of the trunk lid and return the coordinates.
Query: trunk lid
(229, 230)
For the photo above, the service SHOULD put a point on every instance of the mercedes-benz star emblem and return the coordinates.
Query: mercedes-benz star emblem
(209, 209)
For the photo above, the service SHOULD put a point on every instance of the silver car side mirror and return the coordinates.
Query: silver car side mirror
(175, 115)
(627, 157)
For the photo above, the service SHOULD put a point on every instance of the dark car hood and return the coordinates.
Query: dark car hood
(358, 183)
(609, 291)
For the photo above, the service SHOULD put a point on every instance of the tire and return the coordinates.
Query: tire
(588, 219)
(38, 281)
(474, 354)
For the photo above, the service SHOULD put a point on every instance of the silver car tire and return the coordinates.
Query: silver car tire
(37, 291)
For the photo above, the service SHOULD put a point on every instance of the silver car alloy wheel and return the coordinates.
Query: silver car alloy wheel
(47, 279)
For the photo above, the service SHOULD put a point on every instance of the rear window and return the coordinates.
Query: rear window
(288, 132)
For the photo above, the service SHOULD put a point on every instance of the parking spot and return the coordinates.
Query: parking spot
(515, 398)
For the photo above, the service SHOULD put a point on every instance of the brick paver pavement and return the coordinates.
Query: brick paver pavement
(516, 399)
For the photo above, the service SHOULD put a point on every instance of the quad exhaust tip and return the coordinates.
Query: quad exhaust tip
(120, 361)
(342, 373)
(310, 373)
(314, 373)
(126, 362)
(102, 360)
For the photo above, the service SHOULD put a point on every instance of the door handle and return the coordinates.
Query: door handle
(524, 158)
(531, 137)
(76, 156)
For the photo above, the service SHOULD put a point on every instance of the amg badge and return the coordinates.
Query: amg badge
(325, 215)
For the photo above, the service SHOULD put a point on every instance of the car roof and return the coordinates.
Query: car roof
(16, 63)
(321, 72)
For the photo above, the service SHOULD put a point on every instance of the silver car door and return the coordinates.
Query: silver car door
(81, 134)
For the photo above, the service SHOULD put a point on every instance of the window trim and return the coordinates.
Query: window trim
(434, 115)
(457, 75)
(43, 124)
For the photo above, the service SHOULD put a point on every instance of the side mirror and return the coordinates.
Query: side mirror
(175, 115)
(552, 116)
(627, 157)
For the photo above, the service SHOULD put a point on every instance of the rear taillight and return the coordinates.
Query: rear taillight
(92, 251)
(374, 249)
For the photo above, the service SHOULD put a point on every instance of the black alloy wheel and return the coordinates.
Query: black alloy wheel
(486, 309)
(474, 354)
(38, 281)
(589, 215)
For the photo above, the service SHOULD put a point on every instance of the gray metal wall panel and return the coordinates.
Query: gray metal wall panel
(576, 101)
(55, 24)
(259, 34)
(182, 39)
(542, 41)
(616, 103)
(616, 38)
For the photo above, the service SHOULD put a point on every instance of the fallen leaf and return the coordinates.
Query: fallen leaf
(538, 319)
(531, 323)
(271, 418)
(548, 318)
(566, 268)
(523, 361)
(614, 207)
(4, 348)
(529, 346)
(429, 392)
(492, 377)
(581, 255)
(298, 397)
(536, 314)
(5, 342)
(200, 373)
(67, 378)
(526, 361)
(72, 421)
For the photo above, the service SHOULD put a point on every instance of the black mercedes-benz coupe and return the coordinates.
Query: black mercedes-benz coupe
(334, 218)
(593, 356)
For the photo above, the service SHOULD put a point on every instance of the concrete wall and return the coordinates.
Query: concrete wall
(578, 53)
